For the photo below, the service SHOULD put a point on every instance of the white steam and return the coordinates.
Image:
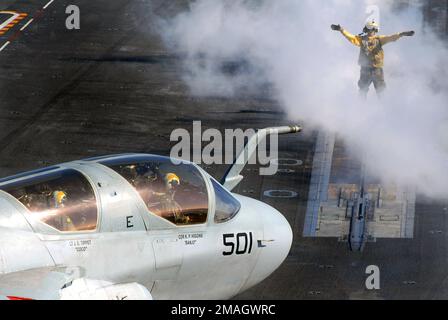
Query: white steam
(314, 73)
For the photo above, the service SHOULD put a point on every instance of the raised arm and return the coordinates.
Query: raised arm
(355, 40)
(387, 39)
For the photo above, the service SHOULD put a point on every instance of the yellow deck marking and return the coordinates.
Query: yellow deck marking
(15, 18)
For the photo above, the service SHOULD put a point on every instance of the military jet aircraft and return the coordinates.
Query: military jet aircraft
(136, 226)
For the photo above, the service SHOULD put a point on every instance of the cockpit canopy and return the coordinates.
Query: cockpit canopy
(175, 192)
(63, 200)
(226, 206)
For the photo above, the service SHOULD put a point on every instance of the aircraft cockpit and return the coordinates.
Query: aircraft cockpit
(81, 196)
(177, 193)
(63, 200)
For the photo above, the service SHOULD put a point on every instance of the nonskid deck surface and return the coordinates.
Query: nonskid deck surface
(112, 87)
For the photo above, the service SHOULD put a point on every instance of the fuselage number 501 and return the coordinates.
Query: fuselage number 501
(241, 243)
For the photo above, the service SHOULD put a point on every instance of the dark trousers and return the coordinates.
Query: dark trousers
(369, 75)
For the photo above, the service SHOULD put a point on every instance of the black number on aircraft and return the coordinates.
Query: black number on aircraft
(240, 243)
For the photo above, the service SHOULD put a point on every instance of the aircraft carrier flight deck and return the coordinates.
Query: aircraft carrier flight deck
(113, 87)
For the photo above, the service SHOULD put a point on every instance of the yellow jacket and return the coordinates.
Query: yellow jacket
(371, 54)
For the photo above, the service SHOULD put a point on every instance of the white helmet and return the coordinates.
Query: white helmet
(371, 26)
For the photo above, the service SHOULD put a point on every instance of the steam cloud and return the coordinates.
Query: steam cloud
(314, 74)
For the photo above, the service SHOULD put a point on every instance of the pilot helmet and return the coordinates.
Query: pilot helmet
(59, 198)
(172, 180)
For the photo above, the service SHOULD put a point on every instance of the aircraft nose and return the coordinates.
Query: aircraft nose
(273, 247)
(277, 238)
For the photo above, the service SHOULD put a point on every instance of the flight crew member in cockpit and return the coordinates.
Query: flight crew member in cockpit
(64, 221)
(59, 197)
(164, 201)
(172, 183)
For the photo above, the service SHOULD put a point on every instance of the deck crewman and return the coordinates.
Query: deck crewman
(371, 56)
